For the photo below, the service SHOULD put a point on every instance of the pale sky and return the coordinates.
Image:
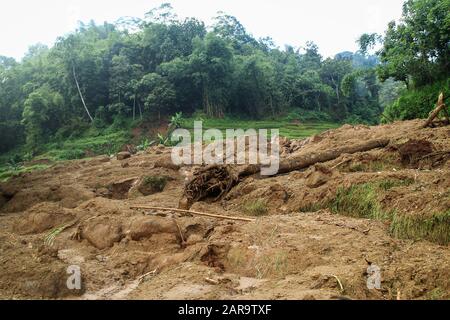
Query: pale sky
(334, 25)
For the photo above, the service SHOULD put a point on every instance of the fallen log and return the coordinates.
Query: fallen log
(216, 181)
(304, 161)
(440, 106)
(203, 214)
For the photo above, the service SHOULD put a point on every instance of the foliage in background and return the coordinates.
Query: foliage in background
(416, 52)
(100, 78)
(169, 65)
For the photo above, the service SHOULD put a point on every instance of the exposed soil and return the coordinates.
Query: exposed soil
(299, 250)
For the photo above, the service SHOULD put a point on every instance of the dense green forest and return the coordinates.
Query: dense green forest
(146, 70)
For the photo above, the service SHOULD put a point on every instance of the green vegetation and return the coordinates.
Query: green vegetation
(363, 201)
(415, 52)
(435, 294)
(83, 96)
(155, 183)
(6, 173)
(286, 127)
(104, 76)
(418, 102)
(435, 228)
(256, 208)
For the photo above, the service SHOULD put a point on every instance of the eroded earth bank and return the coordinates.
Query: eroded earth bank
(317, 230)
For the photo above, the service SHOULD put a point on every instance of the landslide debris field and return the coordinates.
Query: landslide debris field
(317, 229)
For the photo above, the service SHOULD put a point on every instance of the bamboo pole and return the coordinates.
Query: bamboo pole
(203, 214)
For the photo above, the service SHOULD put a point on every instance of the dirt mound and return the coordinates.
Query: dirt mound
(318, 176)
(69, 196)
(43, 217)
(144, 228)
(119, 190)
(102, 232)
(414, 150)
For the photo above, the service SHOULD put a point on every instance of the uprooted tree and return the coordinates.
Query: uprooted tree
(217, 180)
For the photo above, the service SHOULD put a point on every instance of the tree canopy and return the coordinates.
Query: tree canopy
(154, 67)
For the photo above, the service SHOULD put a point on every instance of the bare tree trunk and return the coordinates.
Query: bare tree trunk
(140, 110)
(205, 184)
(134, 108)
(81, 95)
(304, 161)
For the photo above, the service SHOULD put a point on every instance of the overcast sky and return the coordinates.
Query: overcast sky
(333, 25)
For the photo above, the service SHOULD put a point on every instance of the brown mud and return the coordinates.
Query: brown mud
(308, 243)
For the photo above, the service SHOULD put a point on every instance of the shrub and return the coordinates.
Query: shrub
(417, 103)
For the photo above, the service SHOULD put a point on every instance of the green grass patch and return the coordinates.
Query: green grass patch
(435, 228)
(92, 142)
(359, 201)
(107, 144)
(435, 294)
(256, 208)
(363, 201)
(156, 183)
(6, 173)
(287, 128)
(109, 141)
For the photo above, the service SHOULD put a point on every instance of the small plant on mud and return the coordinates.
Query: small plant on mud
(153, 184)
(256, 208)
(51, 236)
(163, 140)
(435, 294)
(176, 121)
(144, 145)
(274, 264)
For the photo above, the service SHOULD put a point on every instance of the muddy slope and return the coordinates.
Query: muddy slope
(310, 243)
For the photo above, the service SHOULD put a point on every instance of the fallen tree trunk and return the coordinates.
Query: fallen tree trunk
(217, 180)
(304, 161)
(440, 106)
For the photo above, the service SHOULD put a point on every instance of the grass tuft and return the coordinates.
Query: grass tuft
(362, 201)
(435, 228)
(256, 208)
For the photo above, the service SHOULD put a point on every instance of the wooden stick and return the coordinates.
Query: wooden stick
(341, 163)
(194, 213)
(440, 106)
